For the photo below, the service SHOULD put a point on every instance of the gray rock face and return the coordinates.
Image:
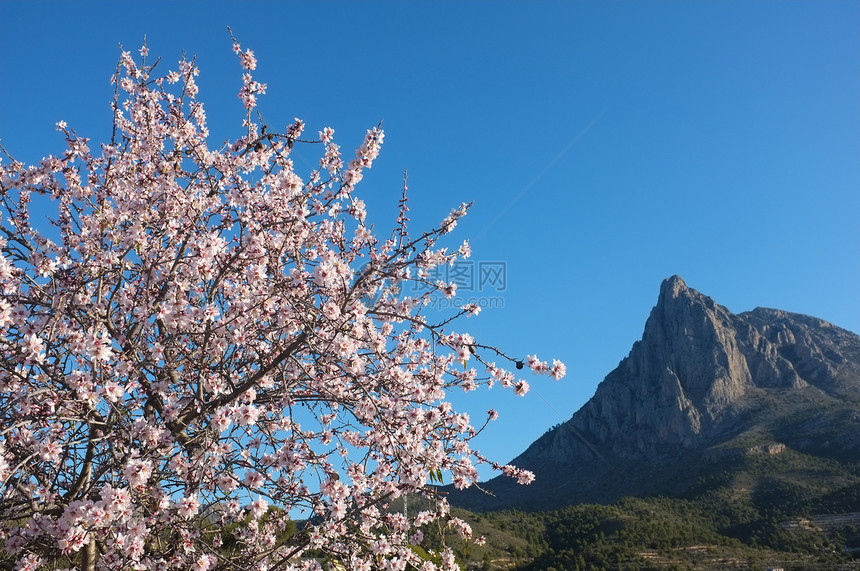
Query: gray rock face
(699, 378)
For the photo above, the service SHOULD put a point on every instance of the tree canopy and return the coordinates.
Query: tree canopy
(203, 342)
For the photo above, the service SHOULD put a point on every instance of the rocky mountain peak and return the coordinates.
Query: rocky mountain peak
(683, 376)
(682, 313)
(672, 288)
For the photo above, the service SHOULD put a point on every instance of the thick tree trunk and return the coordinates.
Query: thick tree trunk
(89, 555)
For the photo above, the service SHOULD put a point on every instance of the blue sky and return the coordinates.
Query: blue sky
(607, 145)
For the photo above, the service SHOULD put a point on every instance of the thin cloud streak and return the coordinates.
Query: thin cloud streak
(541, 173)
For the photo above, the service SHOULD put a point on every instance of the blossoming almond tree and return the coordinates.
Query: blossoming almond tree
(203, 342)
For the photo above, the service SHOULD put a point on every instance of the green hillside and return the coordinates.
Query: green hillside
(789, 510)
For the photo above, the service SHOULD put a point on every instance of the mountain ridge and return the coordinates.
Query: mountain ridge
(701, 385)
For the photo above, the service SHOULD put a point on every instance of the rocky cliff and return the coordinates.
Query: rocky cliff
(701, 385)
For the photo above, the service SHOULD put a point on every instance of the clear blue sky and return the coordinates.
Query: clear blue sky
(607, 145)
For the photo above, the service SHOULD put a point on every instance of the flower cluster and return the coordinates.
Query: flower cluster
(205, 344)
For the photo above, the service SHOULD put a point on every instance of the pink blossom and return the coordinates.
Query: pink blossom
(72, 540)
(525, 477)
(248, 60)
(226, 482)
(247, 415)
(253, 479)
(113, 391)
(34, 348)
(51, 451)
(30, 562)
(188, 506)
(202, 563)
(258, 507)
(138, 471)
(521, 388)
